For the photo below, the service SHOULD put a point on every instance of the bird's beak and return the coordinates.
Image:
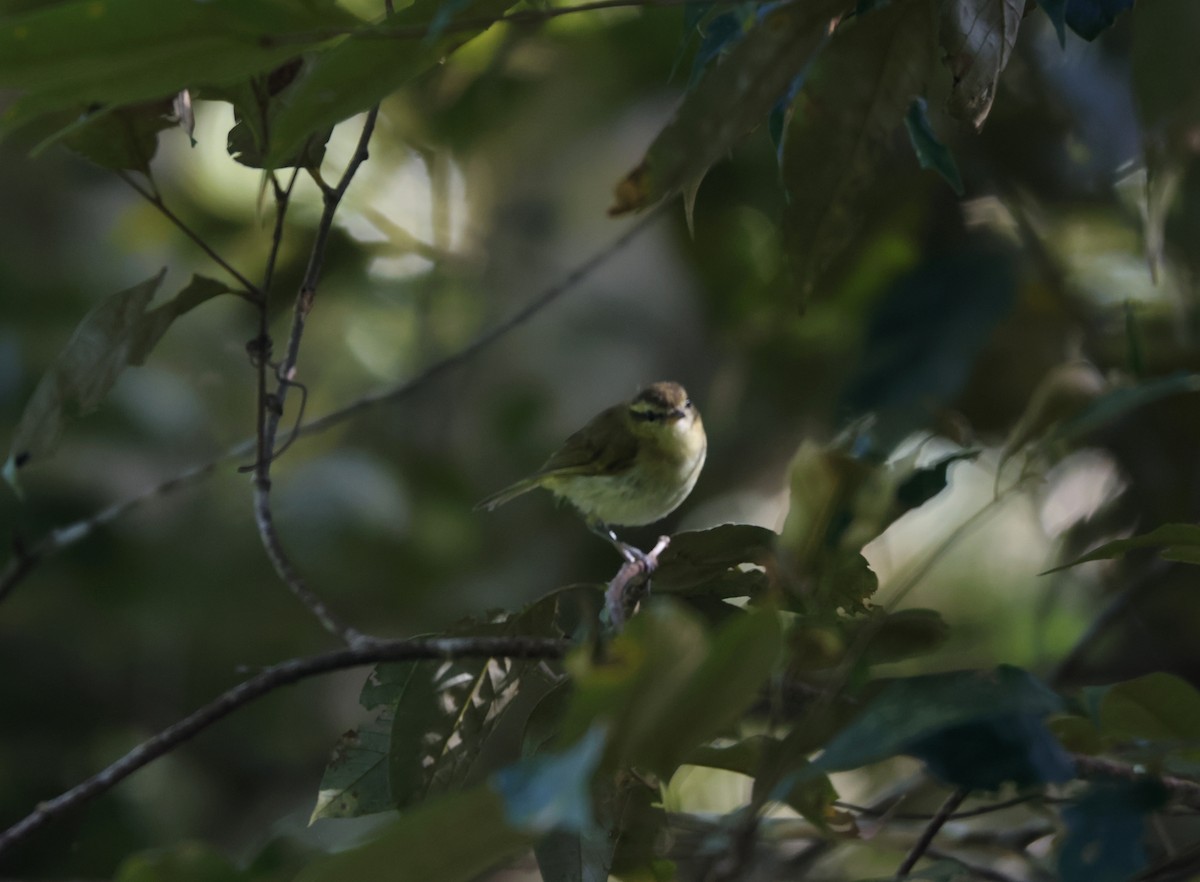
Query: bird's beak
(678, 414)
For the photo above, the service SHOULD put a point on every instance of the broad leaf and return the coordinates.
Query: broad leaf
(120, 331)
(433, 721)
(355, 74)
(709, 562)
(974, 728)
(854, 97)
(78, 53)
(728, 102)
(1157, 707)
(977, 37)
(1088, 18)
(665, 687)
(416, 845)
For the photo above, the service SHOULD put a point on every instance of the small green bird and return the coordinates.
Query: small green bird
(632, 464)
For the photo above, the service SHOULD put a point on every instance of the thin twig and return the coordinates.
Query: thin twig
(1182, 790)
(261, 684)
(871, 812)
(252, 292)
(23, 562)
(270, 405)
(953, 801)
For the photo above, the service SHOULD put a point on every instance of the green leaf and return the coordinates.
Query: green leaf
(853, 99)
(416, 845)
(187, 862)
(728, 102)
(977, 38)
(1180, 542)
(1105, 828)
(356, 73)
(666, 687)
(931, 152)
(433, 722)
(1157, 707)
(552, 791)
(910, 710)
(117, 332)
(122, 138)
(707, 562)
(82, 53)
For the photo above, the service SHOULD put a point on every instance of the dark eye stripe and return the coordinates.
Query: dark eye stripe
(647, 415)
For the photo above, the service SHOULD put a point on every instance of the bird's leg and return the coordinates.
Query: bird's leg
(627, 551)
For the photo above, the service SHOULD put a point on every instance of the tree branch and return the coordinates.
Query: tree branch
(24, 560)
(270, 405)
(931, 830)
(268, 681)
(252, 293)
(1183, 790)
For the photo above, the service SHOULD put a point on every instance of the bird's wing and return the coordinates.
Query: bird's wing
(604, 446)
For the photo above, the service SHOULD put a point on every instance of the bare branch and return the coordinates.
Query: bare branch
(25, 560)
(270, 679)
(931, 830)
(270, 405)
(252, 292)
(1182, 790)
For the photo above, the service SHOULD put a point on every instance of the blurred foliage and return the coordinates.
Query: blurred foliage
(933, 289)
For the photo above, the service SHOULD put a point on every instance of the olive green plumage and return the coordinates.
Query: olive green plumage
(632, 464)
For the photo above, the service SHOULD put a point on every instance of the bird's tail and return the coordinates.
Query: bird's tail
(508, 493)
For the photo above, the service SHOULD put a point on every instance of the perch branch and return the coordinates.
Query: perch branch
(263, 683)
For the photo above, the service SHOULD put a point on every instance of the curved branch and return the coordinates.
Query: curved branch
(270, 679)
(270, 405)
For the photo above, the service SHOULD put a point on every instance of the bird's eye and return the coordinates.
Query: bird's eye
(687, 403)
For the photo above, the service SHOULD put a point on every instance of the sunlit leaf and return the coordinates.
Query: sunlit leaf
(931, 152)
(119, 331)
(728, 102)
(854, 97)
(415, 846)
(977, 37)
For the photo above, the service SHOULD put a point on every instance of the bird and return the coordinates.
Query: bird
(632, 464)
